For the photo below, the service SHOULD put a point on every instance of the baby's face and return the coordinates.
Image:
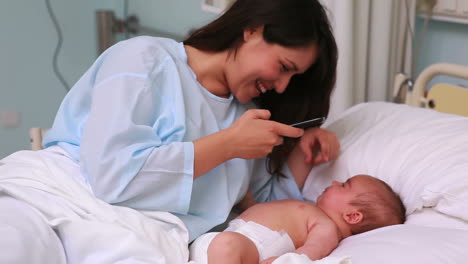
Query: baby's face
(338, 195)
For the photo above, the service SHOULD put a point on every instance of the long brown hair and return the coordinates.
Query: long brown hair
(290, 23)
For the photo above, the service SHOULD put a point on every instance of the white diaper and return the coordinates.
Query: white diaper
(269, 243)
(199, 248)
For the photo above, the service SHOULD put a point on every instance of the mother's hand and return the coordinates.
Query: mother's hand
(254, 136)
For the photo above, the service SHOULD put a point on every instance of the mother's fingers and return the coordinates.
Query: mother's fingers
(287, 130)
(258, 114)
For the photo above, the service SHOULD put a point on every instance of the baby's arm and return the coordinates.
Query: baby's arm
(315, 147)
(299, 167)
(322, 238)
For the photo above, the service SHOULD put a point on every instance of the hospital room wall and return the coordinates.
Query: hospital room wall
(443, 42)
(177, 17)
(28, 85)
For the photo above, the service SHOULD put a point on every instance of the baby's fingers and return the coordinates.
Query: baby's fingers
(319, 158)
(323, 151)
(334, 148)
(308, 152)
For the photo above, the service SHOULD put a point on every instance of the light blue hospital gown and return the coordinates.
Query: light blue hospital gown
(130, 122)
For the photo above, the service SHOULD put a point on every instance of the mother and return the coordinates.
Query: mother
(187, 128)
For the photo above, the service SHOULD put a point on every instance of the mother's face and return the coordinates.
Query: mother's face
(260, 66)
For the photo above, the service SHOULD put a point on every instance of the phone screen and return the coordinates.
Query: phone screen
(310, 123)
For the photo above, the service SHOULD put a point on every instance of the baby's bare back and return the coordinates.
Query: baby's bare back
(293, 216)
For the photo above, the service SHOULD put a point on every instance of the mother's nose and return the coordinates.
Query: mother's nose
(282, 83)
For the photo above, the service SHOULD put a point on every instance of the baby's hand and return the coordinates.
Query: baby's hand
(268, 260)
(319, 146)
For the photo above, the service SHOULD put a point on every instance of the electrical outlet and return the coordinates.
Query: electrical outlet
(10, 119)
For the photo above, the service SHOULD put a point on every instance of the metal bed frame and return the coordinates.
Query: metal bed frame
(441, 97)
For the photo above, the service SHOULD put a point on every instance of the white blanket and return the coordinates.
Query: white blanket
(90, 230)
(293, 258)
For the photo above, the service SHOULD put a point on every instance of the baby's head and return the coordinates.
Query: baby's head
(360, 204)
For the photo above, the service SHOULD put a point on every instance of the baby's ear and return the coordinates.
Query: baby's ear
(353, 217)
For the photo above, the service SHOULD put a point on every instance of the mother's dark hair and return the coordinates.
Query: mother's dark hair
(289, 23)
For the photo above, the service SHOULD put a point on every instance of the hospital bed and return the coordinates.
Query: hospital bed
(421, 153)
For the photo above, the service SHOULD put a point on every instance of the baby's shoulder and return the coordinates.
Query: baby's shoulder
(302, 204)
(304, 208)
(312, 212)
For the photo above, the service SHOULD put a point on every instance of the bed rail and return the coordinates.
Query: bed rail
(415, 96)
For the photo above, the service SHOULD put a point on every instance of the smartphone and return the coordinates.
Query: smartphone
(310, 123)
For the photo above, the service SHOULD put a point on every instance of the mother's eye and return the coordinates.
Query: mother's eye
(284, 68)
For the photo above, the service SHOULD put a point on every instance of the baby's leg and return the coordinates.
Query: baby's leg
(232, 248)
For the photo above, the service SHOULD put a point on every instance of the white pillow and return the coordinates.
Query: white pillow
(422, 154)
(432, 218)
(406, 244)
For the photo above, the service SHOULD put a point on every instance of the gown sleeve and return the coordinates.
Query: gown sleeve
(132, 148)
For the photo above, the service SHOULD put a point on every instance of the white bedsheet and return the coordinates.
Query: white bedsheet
(91, 231)
(293, 258)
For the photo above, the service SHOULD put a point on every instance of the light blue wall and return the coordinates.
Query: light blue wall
(443, 42)
(28, 39)
(29, 86)
(173, 16)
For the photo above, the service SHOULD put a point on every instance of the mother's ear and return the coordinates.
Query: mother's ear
(353, 217)
(253, 32)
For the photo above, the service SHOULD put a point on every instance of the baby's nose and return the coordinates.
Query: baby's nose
(335, 183)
